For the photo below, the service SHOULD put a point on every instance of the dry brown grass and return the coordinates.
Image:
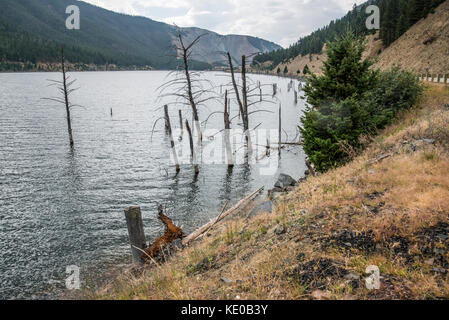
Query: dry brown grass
(395, 210)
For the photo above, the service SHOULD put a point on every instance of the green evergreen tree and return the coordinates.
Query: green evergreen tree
(306, 70)
(334, 117)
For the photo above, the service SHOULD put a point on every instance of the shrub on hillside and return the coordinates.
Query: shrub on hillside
(349, 100)
(395, 90)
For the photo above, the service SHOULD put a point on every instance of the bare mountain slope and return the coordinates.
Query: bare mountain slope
(424, 47)
(213, 46)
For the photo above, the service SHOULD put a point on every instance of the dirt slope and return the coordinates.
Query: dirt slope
(424, 46)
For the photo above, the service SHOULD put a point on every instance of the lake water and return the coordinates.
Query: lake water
(62, 207)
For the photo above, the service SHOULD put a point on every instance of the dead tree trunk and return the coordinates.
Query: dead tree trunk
(245, 95)
(66, 99)
(180, 119)
(185, 54)
(245, 108)
(172, 142)
(234, 84)
(180, 124)
(227, 125)
(280, 128)
(192, 148)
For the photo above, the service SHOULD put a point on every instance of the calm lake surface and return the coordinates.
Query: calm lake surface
(62, 207)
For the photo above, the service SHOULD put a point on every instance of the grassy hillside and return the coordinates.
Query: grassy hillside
(389, 207)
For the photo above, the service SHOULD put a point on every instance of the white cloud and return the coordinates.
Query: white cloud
(281, 21)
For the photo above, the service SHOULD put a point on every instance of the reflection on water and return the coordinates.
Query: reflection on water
(62, 207)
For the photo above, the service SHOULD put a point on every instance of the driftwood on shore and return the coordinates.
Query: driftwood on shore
(167, 241)
(196, 234)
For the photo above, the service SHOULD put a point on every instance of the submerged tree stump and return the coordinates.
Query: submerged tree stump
(171, 234)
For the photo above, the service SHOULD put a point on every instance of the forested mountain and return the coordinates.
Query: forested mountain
(397, 16)
(33, 31)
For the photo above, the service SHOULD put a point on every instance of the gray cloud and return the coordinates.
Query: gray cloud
(281, 21)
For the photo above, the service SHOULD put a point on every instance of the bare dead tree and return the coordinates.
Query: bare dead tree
(227, 125)
(234, 84)
(172, 142)
(187, 87)
(192, 149)
(247, 94)
(65, 87)
(280, 129)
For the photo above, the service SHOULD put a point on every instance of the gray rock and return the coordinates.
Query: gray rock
(352, 276)
(350, 181)
(266, 206)
(280, 230)
(301, 180)
(439, 270)
(429, 141)
(226, 280)
(442, 237)
(284, 181)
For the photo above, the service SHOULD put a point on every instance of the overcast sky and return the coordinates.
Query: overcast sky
(280, 21)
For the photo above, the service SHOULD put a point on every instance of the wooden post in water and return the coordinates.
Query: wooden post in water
(172, 142)
(136, 233)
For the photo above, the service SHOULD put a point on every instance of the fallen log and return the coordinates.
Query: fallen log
(207, 226)
(380, 158)
(290, 143)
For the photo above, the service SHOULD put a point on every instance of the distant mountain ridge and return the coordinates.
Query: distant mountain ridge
(33, 31)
